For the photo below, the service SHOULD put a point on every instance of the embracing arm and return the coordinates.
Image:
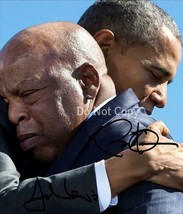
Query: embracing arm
(161, 165)
(169, 158)
(72, 192)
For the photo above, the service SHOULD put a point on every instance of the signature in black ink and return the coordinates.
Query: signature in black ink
(38, 201)
(133, 137)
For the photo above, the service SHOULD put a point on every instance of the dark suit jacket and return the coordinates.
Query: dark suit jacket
(104, 135)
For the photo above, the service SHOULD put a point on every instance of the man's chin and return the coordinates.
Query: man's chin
(45, 156)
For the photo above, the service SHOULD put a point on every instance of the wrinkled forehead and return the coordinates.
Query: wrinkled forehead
(24, 72)
(23, 48)
(27, 63)
(20, 62)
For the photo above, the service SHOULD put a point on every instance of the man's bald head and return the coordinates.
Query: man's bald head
(57, 42)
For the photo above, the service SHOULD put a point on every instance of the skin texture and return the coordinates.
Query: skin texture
(146, 70)
(43, 91)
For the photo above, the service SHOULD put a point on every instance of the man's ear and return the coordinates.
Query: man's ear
(89, 80)
(105, 38)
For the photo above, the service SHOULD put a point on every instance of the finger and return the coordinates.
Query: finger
(180, 145)
(159, 127)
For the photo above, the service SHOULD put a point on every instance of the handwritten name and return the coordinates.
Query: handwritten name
(37, 202)
(130, 138)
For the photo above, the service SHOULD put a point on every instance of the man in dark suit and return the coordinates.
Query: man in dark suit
(44, 78)
(134, 36)
(52, 77)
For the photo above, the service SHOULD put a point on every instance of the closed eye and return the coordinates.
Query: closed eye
(154, 74)
(29, 92)
(159, 78)
(26, 93)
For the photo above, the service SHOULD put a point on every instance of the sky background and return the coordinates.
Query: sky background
(15, 15)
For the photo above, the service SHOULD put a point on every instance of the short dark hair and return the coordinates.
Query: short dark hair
(135, 21)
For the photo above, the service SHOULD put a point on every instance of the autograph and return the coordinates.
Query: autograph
(133, 137)
(40, 200)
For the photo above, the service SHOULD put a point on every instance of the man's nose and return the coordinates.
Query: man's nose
(159, 95)
(17, 111)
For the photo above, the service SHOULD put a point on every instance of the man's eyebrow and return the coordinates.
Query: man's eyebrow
(34, 81)
(156, 67)
(24, 81)
(164, 71)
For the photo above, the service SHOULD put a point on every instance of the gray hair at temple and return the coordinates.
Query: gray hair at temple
(134, 21)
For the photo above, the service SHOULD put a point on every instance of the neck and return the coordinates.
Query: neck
(107, 90)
